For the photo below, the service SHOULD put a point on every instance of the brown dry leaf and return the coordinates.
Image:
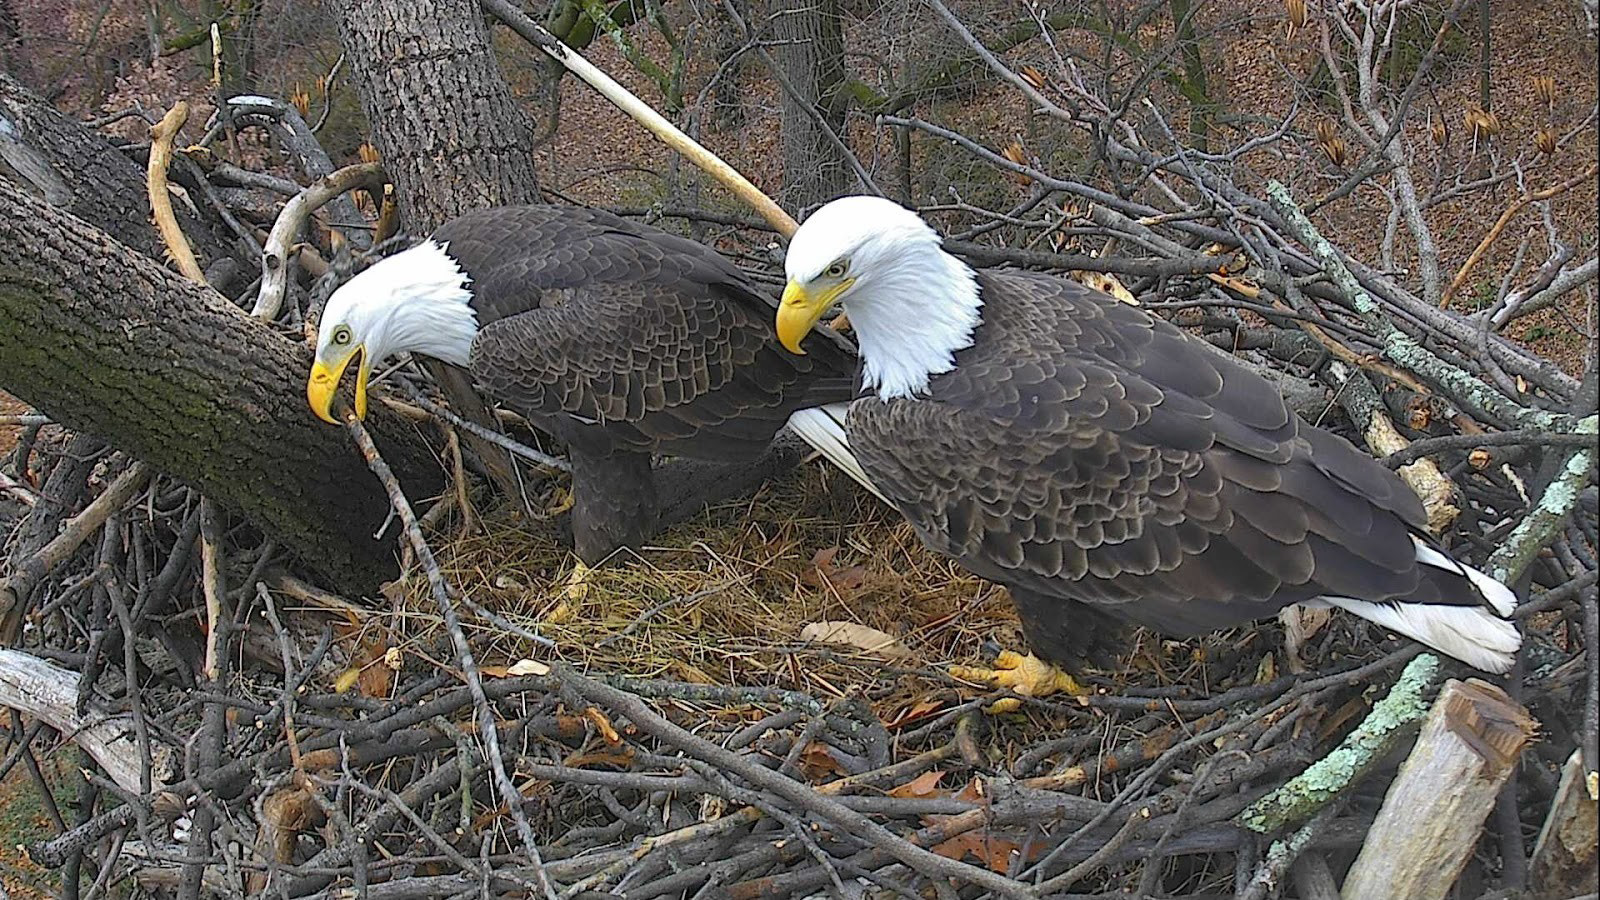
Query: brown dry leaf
(367, 670)
(820, 560)
(847, 580)
(817, 762)
(994, 853)
(285, 813)
(974, 792)
(922, 709)
(1015, 153)
(924, 785)
(620, 756)
(1544, 87)
(602, 725)
(861, 637)
(375, 682)
(823, 574)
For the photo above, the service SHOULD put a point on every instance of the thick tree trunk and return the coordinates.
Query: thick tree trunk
(108, 342)
(451, 135)
(810, 49)
(55, 157)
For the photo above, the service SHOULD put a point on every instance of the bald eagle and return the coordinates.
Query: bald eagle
(621, 339)
(1103, 465)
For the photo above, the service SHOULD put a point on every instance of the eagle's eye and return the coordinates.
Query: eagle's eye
(341, 336)
(836, 270)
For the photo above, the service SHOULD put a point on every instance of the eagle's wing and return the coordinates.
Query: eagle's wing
(647, 340)
(1086, 450)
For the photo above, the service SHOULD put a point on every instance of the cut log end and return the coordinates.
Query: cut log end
(1434, 811)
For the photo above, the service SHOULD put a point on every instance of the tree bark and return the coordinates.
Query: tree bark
(451, 136)
(71, 167)
(108, 342)
(810, 49)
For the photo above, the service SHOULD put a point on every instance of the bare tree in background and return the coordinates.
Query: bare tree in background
(810, 51)
(451, 136)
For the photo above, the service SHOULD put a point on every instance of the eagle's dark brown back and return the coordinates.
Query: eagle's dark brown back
(1085, 450)
(629, 337)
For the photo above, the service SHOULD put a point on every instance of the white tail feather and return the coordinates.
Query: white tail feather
(823, 428)
(1471, 634)
(1498, 595)
(1475, 635)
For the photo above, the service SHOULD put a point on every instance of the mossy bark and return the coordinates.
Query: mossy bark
(108, 342)
(55, 157)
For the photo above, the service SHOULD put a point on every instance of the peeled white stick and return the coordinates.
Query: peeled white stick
(822, 428)
(641, 112)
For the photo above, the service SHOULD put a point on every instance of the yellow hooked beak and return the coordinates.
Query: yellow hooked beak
(799, 310)
(324, 381)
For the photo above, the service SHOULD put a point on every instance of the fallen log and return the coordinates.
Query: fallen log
(45, 691)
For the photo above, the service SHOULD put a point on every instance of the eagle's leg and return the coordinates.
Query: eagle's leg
(613, 503)
(1062, 633)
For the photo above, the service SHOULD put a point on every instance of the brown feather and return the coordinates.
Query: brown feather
(1083, 452)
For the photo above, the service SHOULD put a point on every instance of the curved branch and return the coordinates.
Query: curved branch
(161, 136)
(275, 255)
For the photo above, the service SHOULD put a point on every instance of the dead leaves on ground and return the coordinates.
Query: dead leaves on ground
(861, 637)
(373, 660)
(823, 573)
(995, 851)
(846, 582)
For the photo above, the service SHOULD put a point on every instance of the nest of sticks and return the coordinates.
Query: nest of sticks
(672, 727)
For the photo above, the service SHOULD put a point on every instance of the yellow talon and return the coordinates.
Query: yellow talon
(563, 502)
(1028, 675)
(573, 593)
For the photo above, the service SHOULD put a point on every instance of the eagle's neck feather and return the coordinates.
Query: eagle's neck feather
(918, 306)
(420, 303)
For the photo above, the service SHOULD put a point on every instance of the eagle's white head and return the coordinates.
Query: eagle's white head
(911, 304)
(416, 301)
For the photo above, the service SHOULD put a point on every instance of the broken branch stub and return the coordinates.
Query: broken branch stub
(1435, 809)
